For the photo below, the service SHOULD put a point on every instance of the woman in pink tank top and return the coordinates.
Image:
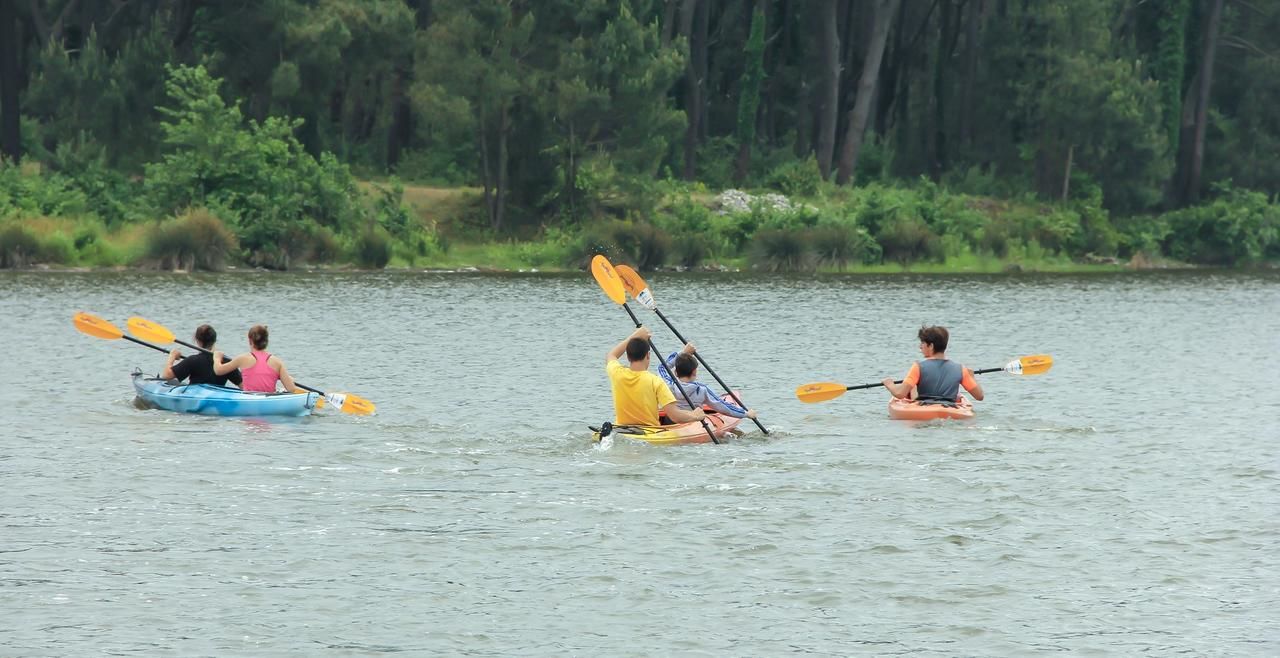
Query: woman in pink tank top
(259, 369)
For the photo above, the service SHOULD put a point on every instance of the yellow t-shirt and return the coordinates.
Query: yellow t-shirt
(637, 396)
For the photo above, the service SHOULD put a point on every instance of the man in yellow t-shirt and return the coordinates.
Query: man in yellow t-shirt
(637, 393)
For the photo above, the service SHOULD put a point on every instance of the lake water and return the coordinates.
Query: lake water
(1127, 502)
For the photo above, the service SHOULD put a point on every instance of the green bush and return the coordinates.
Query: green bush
(390, 212)
(874, 161)
(27, 190)
(640, 244)
(1141, 234)
(107, 192)
(197, 240)
(373, 248)
(907, 239)
(1237, 228)
(691, 248)
(837, 245)
(58, 248)
(556, 247)
(796, 178)
(446, 165)
(716, 158)
(782, 250)
(257, 175)
(18, 247)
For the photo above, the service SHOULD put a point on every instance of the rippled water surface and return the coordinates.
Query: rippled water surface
(1124, 503)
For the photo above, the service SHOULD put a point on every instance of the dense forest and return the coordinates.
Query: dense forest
(277, 132)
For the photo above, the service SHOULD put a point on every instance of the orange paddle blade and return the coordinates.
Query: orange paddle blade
(1035, 364)
(631, 280)
(350, 403)
(820, 391)
(354, 404)
(95, 326)
(608, 279)
(636, 287)
(148, 330)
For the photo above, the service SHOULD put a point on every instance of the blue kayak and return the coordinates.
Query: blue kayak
(220, 400)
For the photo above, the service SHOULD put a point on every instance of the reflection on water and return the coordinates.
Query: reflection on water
(1118, 504)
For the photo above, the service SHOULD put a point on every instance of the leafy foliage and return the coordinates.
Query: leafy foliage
(1049, 127)
(256, 174)
(195, 241)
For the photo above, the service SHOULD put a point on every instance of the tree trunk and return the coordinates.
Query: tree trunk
(184, 15)
(571, 175)
(749, 90)
(1066, 176)
(400, 130)
(884, 10)
(669, 21)
(1191, 189)
(486, 172)
(701, 58)
(692, 87)
(504, 129)
(10, 126)
(829, 109)
(969, 78)
(937, 133)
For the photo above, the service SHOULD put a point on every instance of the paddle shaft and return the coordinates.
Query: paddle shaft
(662, 362)
(708, 367)
(976, 372)
(225, 359)
(144, 343)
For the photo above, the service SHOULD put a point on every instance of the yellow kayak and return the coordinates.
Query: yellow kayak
(677, 434)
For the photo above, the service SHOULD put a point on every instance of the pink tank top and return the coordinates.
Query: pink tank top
(260, 376)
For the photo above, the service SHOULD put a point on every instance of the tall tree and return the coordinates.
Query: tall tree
(10, 136)
(1195, 115)
(605, 101)
(867, 81)
(829, 74)
(693, 27)
(473, 72)
(1170, 62)
(974, 15)
(749, 92)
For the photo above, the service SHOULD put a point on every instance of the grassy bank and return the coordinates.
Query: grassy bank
(873, 229)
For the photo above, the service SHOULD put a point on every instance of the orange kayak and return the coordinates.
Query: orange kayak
(902, 409)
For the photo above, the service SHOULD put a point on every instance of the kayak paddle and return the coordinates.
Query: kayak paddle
(348, 402)
(613, 287)
(822, 391)
(639, 291)
(95, 326)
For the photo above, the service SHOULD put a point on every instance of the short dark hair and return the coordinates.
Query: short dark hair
(258, 336)
(935, 336)
(637, 348)
(206, 336)
(685, 365)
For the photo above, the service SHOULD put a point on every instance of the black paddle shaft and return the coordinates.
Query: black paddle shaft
(854, 388)
(662, 362)
(976, 372)
(144, 343)
(708, 367)
(225, 359)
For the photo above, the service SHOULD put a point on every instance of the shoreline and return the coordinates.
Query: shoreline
(879, 270)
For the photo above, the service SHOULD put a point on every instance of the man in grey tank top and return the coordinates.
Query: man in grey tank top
(935, 379)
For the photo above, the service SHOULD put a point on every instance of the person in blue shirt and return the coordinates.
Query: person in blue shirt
(685, 367)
